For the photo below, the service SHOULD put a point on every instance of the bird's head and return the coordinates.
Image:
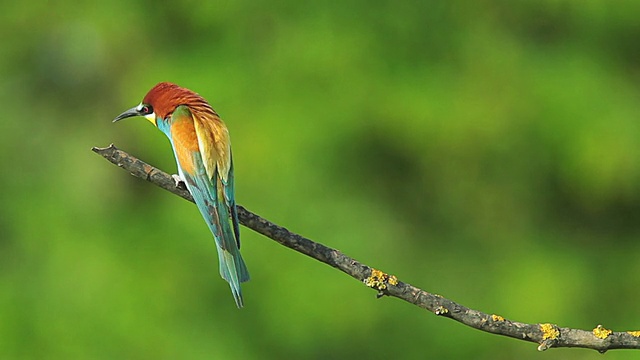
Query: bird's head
(161, 100)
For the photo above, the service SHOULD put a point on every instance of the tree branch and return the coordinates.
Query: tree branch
(546, 335)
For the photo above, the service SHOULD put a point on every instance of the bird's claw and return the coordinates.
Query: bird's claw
(179, 181)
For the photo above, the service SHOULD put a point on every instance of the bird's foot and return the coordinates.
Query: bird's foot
(180, 183)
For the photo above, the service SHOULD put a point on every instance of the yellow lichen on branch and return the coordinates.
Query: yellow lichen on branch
(379, 280)
(495, 317)
(549, 331)
(601, 333)
(634, 333)
(441, 310)
(392, 280)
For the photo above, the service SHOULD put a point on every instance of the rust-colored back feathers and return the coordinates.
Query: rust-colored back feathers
(166, 97)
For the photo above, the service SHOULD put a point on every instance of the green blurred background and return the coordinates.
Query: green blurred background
(486, 151)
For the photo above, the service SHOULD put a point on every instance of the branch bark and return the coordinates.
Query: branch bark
(546, 335)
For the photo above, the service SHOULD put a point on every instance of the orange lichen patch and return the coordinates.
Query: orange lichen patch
(601, 333)
(495, 317)
(634, 333)
(379, 280)
(549, 331)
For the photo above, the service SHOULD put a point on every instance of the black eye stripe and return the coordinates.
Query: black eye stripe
(146, 110)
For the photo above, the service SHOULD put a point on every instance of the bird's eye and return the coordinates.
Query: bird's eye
(146, 110)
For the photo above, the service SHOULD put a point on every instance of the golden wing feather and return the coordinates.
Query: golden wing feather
(214, 144)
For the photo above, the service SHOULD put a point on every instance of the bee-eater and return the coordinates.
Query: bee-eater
(201, 146)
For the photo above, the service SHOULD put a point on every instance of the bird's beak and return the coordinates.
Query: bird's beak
(129, 113)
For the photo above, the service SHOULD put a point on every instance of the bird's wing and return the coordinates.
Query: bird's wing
(193, 167)
(215, 150)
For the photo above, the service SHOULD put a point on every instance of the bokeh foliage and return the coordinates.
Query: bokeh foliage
(487, 151)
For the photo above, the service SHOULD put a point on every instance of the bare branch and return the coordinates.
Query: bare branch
(546, 335)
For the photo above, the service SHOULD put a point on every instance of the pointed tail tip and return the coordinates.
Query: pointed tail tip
(237, 296)
(234, 271)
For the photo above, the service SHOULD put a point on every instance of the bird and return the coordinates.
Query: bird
(202, 149)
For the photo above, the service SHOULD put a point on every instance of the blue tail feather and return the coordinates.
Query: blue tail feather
(216, 214)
